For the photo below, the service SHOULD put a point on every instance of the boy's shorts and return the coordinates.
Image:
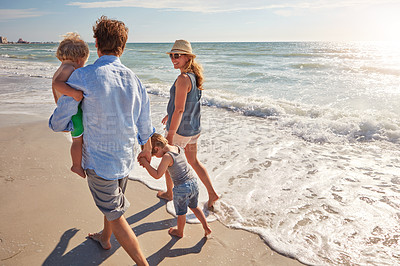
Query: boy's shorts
(182, 141)
(108, 195)
(185, 195)
(78, 123)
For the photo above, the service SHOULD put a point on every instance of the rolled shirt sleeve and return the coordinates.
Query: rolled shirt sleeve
(60, 120)
(143, 120)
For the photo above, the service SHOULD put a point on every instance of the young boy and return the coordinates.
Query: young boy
(185, 191)
(73, 53)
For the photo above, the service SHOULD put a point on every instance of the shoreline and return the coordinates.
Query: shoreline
(47, 212)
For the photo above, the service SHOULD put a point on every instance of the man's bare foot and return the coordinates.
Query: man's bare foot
(174, 232)
(78, 170)
(211, 200)
(207, 230)
(164, 195)
(97, 237)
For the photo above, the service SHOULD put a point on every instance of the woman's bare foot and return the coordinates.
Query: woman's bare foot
(211, 200)
(164, 195)
(207, 230)
(78, 170)
(174, 232)
(97, 237)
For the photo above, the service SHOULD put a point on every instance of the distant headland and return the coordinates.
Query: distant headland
(3, 40)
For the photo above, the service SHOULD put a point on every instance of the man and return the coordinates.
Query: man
(114, 103)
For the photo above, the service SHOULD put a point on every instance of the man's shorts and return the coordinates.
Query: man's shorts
(182, 141)
(78, 123)
(108, 194)
(185, 195)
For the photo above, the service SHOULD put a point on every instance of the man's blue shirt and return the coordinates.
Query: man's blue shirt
(115, 103)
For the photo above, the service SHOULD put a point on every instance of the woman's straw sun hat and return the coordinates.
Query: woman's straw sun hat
(181, 47)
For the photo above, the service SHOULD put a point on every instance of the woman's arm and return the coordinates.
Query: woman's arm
(183, 86)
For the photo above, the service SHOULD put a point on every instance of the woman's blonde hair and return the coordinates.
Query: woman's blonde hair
(192, 66)
(72, 48)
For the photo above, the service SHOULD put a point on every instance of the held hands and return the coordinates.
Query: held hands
(144, 154)
(143, 162)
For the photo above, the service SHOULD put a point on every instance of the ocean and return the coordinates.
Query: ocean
(301, 139)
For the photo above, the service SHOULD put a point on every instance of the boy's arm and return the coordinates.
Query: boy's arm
(162, 167)
(62, 87)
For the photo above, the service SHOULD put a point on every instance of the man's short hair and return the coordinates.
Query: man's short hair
(111, 36)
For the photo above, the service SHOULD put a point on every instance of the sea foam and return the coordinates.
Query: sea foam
(308, 158)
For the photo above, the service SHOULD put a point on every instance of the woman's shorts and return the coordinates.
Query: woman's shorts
(108, 194)
(78, 123)
(182, 141)
(185, 195)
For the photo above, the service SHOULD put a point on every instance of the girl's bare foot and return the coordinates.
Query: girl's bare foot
(211, 200)
(175, 232)
(78, 170)
(164, 195)
(97, 237)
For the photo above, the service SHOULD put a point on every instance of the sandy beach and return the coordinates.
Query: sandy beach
(47, 211)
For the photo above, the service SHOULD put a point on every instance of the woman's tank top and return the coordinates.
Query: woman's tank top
(190, 123)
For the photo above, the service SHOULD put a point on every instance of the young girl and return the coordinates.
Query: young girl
(186, 191)
(73, 53)
(183, 119)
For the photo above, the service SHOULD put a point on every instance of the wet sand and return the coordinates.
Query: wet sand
(47, 212)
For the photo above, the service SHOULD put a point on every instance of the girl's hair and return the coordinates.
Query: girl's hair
(192, 66)
(158, 140)
(72, 48)
(111, 36)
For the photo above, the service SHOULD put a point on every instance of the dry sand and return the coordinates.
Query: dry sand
(47, 211)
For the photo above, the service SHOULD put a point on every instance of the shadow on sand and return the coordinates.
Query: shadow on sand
(90, 252)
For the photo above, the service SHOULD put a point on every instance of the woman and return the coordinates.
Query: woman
(183, 119)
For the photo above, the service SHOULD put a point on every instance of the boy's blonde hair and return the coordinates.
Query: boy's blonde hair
(158, 140)
(72, 48)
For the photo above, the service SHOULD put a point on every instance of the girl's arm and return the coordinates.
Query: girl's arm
(162, 167)
(183, 86)
(62, 87)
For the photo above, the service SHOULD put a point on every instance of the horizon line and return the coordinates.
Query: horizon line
(166, 42)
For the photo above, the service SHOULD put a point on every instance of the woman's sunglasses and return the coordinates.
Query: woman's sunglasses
(174, 56)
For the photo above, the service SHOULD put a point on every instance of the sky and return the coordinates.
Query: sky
(206, 20)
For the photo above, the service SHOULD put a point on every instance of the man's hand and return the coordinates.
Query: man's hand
(78, 96)
(144, 154)
(143, 162)
(146, 151)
